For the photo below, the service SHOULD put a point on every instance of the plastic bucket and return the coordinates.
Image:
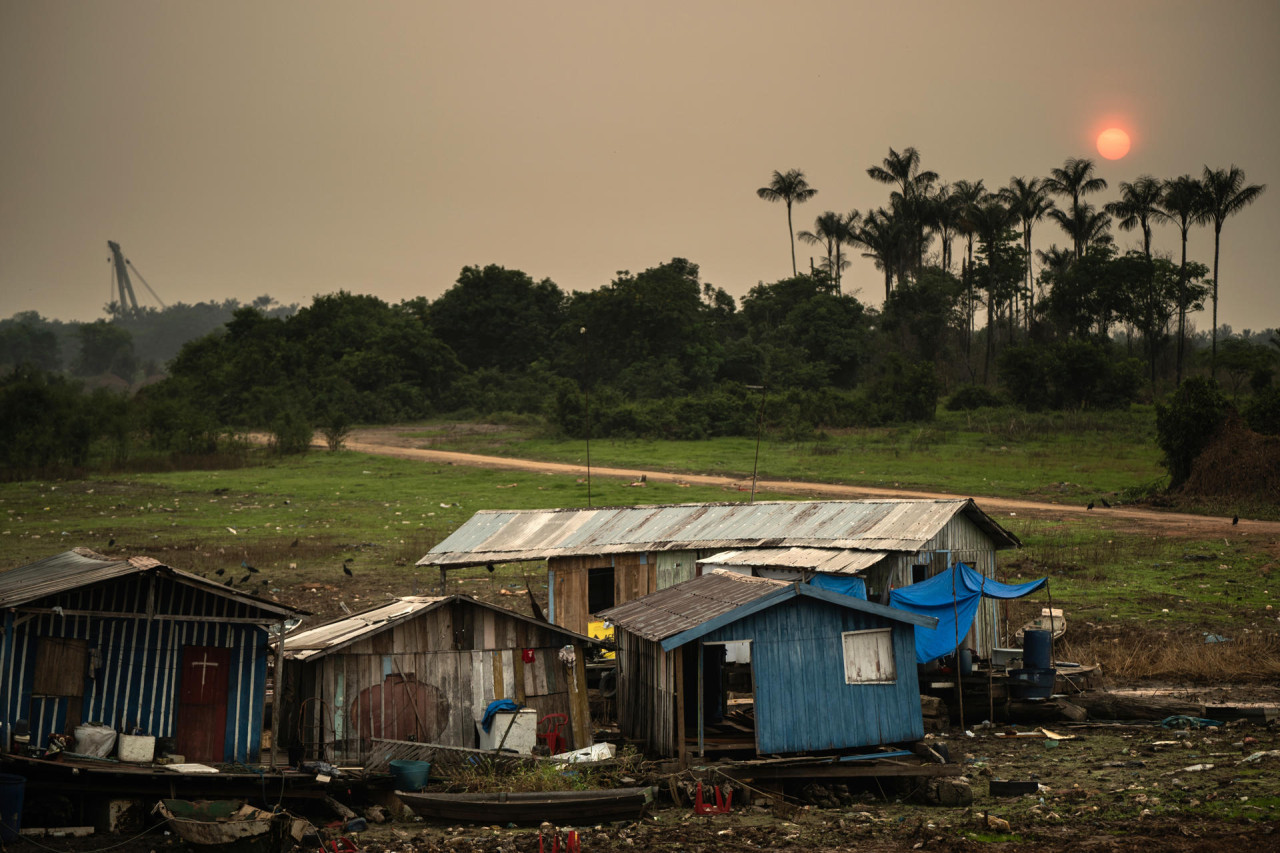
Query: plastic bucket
(410, 775)
(11, 790)
(1035, 650)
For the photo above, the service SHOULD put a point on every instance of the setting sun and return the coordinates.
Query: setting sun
(1113, 143)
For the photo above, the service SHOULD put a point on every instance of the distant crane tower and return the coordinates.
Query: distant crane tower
(123, 285)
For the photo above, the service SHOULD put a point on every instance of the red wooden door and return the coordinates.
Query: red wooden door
(202, 705)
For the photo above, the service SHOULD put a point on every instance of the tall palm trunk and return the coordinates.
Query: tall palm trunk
(1182, 306)
(1213, 356)
(792, 232)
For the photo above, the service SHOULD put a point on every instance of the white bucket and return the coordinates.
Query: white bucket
(137, 748)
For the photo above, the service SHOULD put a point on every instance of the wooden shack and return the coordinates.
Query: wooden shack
(602, 557)
(827, 671)
(138, 646)
(423, 668)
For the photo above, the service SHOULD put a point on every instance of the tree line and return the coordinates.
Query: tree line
(662, 353)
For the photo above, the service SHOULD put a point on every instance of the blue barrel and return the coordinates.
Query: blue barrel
(1035, 650)
(11, 790)
(410, 775)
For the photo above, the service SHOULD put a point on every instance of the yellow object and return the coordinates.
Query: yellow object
(598, 631)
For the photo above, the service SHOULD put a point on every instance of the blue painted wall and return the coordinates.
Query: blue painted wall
(137, 681)
(802, 702)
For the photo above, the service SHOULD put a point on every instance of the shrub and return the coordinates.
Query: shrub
(971, 397)
(1186, 423)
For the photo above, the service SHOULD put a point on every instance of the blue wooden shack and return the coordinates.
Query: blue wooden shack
(827, 671)
(137, 646)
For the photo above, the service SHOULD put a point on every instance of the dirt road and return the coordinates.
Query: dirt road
(390, 441)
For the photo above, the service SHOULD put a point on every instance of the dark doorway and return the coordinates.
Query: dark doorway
(599, 589)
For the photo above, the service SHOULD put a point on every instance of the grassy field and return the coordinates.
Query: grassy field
(298, 519)
(1071, 457)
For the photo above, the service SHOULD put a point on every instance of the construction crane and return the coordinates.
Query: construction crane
(123, 285)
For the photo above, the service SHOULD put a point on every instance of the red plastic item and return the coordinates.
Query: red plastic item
(549, 730)
(721, 806)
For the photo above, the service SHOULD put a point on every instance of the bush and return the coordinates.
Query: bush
(1263, 412)
(1187, 422)
(1069, 374)
(290, 433)
(971, 397)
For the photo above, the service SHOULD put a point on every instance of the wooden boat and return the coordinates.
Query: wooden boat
(562, 807)
(1051, 620)
(232, 826)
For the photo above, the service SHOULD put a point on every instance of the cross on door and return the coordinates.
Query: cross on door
(204, 663)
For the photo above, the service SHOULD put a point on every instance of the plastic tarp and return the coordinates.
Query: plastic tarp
(855, 587)
(952, 598)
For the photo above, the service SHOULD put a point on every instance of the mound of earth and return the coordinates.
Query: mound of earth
(1238, 463)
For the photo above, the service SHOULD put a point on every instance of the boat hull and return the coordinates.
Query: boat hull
(560, 807)
(226, 826)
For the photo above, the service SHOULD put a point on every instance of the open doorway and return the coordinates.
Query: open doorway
(728, 723)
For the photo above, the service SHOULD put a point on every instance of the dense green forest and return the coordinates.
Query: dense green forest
(661, 353)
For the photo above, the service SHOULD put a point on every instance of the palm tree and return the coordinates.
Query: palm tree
(910, 200)
(881, 235)
(829, 229)
(968, 195)
(1085, 225)
(1225, 194)
(1138, 205)
(991, 218)
(1180, 204)
(790, 187)
(944, 217)
(1029, 201)
(1074, 179)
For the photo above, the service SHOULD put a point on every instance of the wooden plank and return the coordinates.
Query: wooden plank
(683, 751)
(579, 704)
(498, 687)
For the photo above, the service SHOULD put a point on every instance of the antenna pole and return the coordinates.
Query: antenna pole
(755, 467)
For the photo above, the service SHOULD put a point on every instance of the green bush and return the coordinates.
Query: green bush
(291, 433)
(1186, 423)
(1263, 412)
(970, 397)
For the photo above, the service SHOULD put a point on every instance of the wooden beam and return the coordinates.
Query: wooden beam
(579, 704)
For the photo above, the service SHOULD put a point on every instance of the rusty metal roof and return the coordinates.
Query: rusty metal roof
(494, 536)
(82, 567)
(686, 605)
(832, 561)
(333, 636)
(721, 596)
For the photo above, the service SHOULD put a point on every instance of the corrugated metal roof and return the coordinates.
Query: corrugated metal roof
(82, 567)
(492, 536)
(686, 605)
(336, 635)
(826, 560)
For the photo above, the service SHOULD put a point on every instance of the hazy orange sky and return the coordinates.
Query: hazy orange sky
(237, 148)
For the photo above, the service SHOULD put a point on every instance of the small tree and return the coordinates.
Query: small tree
(1186, 423)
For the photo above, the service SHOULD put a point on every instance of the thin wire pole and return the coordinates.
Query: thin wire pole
(955, 608)
(755, 467)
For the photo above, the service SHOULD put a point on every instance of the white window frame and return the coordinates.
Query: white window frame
(878, 639)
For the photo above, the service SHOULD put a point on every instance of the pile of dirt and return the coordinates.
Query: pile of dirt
(1238, 463)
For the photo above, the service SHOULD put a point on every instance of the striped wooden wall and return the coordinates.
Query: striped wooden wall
(135, 682)
(430, 679)
(647, 684)
(634, 575)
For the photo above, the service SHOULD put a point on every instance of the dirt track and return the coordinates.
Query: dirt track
(392, 442)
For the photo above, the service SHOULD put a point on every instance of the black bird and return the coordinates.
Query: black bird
(111, 542)
(294, 544)
(346, 570)
(490, 568)
(265, 582)
(1235, 519)
(1104, 503)
(1090, 506)
(245, 578)
(228, 581)
(220, 572)
(245, 565)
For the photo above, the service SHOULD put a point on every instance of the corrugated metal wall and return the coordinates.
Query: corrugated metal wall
(802, 702)
(135, 663)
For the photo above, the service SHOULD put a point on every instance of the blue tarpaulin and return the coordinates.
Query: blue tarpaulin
(952, 598)
(855, 587)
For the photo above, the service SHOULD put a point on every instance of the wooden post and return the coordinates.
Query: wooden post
(678, 681)
(955, 609)
(276, 691)
(701, 710)
(579, 705)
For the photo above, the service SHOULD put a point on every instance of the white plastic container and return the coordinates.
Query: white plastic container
(137, 748)
(97, 741)
(521, 738)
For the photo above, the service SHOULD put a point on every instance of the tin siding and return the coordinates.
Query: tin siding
(802, 702)
(136, 683)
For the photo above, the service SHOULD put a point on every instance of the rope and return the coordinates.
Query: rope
(31, 840)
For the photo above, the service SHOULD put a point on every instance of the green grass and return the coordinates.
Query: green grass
(1067, 457)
